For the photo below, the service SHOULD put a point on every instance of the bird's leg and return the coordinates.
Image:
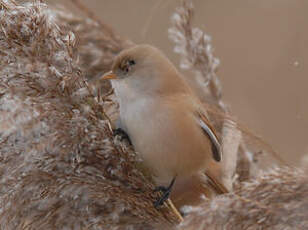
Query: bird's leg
(123, 135)
(165, 193)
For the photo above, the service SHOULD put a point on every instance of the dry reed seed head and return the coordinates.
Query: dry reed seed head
(304, 162)
(195, 49)
(275, 200)
(192, 44)
(59, 164)
(96, 44)
(30, 33)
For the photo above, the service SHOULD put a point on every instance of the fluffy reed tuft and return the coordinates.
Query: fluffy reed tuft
(275, 200)
(60, 166)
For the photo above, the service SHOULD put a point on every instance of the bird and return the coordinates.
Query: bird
(164, 119)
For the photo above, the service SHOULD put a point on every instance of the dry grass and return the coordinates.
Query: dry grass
(61, 167)
(275, 200)
(196, 51)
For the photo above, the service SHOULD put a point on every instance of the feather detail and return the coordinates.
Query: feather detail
(209, 131)
(218, 187)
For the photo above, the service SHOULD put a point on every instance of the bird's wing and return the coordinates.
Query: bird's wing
(209, 131)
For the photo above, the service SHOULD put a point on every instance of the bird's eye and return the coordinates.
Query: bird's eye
(131, 62)
(126, 65)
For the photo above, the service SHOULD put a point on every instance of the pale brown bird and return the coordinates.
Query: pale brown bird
(164, 119)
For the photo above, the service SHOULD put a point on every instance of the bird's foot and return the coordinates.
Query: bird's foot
(165, 194)
(123, 135)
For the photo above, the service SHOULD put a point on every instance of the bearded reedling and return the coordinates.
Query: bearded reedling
(164, 119)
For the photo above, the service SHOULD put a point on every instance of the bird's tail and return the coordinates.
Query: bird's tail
(215, 184)
(191, 191)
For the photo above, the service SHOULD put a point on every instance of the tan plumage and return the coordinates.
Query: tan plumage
(164, 119)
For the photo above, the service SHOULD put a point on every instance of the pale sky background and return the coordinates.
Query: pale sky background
(262, 46)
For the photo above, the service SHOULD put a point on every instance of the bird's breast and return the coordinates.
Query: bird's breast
(136, 116)
(166, 136)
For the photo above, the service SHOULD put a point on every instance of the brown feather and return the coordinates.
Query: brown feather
(218, 187)
(209, 131)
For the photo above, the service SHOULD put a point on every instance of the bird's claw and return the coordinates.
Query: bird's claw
(160, 201)
(122, 134)
(165, 193)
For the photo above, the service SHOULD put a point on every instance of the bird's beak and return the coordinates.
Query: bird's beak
(109, 75)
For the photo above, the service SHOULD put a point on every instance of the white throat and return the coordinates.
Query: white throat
(134, 104)
(125, 94)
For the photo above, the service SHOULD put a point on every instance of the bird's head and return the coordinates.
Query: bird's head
(144, 68)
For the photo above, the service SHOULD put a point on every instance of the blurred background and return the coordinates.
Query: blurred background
(262, 46)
